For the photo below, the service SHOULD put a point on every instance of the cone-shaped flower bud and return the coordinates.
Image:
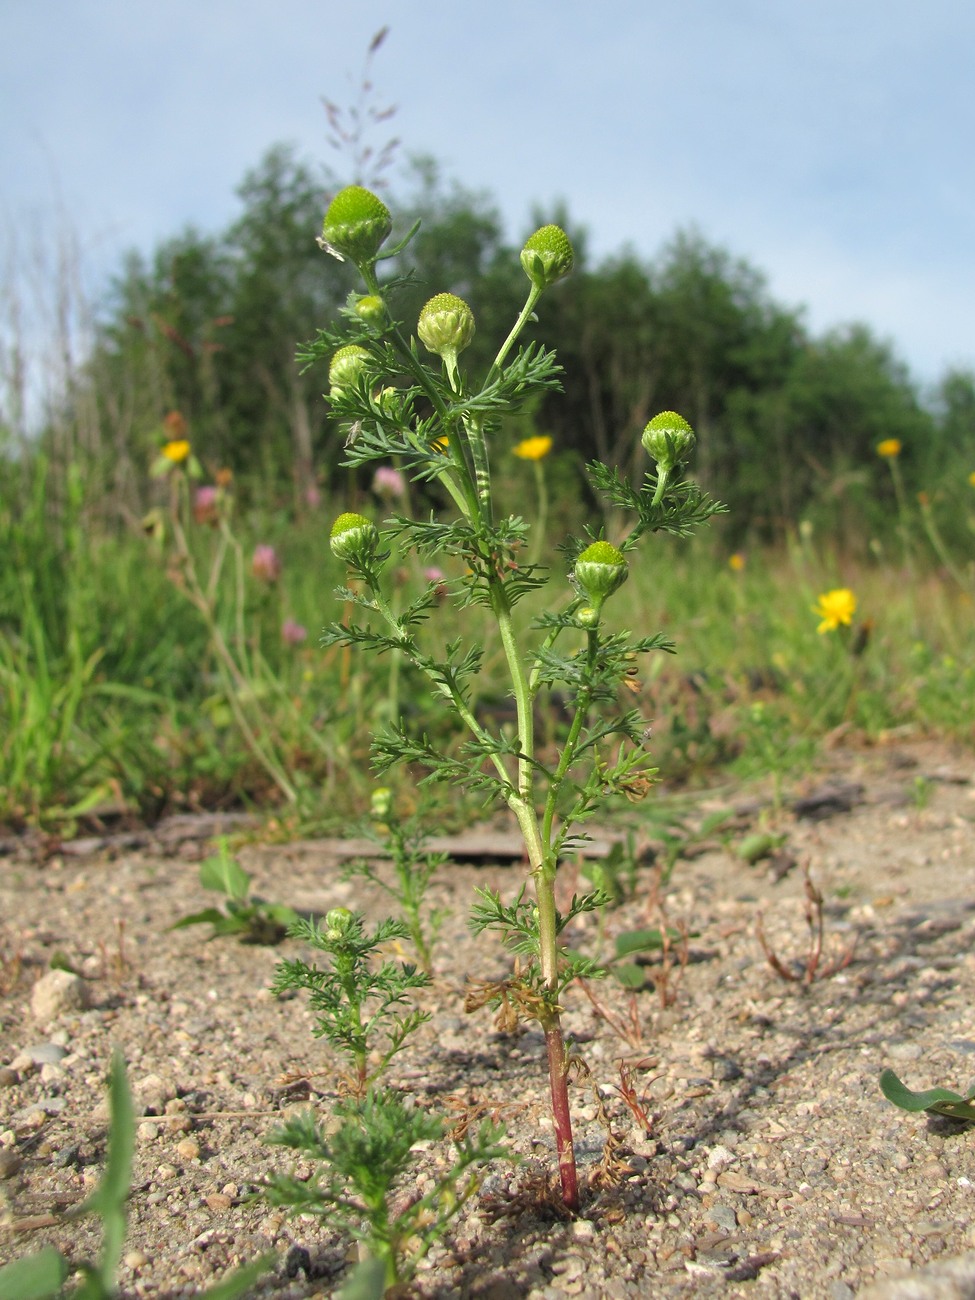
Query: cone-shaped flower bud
(357, 224)
(669, 439)
(346, 366)
(547, 256)
(354, 539)
(600, 570)
(446, 325)
(338, 921)
(370, 308)
(587, 616)
(381, 802)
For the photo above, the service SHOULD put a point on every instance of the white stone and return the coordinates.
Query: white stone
(57, 992)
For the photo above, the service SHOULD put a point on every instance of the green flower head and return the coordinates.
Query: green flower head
(381, 802)
(338, 921)
(600, 570)
(354, 539)
(370, 308)
(446, 325)
(668, 438)
(346, 366)
(357, 224)
(547, 256)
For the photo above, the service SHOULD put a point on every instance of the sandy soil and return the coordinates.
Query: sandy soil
(767, 1164)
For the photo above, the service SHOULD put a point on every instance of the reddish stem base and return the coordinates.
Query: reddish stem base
(555, 1044)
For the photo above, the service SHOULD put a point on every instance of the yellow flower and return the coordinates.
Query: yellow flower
(736, 562)
(835, 607)
(889, 448)
(533, 448)
(971, 478)
(176, 451)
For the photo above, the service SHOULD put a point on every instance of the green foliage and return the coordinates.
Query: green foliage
(631, 943)
(939, 1101)
(360, 1006)
(362, 1159)
(251, 919)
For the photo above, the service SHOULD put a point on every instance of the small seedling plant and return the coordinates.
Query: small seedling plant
(360, 1185)
(363, 1005)
(363, 1157)
(441, 426)
(245, 915)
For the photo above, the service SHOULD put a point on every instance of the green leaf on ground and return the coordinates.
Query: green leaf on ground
(225, 874)
(938, 1101)
(34, 1278)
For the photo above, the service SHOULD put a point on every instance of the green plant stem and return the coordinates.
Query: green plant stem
(543, 870)
(533, 296)
(465, 496)
(939, 548)
(235, 680)
(662, 476)
(903, 526)
(541, 524)
(345, 970)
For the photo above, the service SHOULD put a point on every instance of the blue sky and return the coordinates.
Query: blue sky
(830, 144)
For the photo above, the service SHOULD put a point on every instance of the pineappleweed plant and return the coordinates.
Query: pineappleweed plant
(439, 427)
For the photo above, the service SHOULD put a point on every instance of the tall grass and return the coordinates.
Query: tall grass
(112, 701)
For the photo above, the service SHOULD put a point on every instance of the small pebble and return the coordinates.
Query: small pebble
(8, 1077)
(57, 992)
(45, 1053)
(218, 1202)
(723, 1217)
(66, 1157)
(136, 1260)
(188, 1149)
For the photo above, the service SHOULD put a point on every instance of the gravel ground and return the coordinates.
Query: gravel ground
(767, 1162)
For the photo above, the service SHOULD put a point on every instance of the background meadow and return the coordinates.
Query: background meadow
(159, 630)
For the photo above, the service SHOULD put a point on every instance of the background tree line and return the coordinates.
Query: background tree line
(787, 421)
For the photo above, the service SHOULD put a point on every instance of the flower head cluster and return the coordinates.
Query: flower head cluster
(834, 608)
(668, 438)
(388, 483)
(536, 448)
(266, 563)
(176, 451)
(354, 538)
(356, 225)
(346, 366)
(206, 505)
(890, 448)
(600, 570)
(547, 256)
(446, 326)
(293, 633)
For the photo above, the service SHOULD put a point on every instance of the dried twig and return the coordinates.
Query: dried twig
(794, 972)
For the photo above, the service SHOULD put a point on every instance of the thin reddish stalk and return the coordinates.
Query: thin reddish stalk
(557, 1072)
